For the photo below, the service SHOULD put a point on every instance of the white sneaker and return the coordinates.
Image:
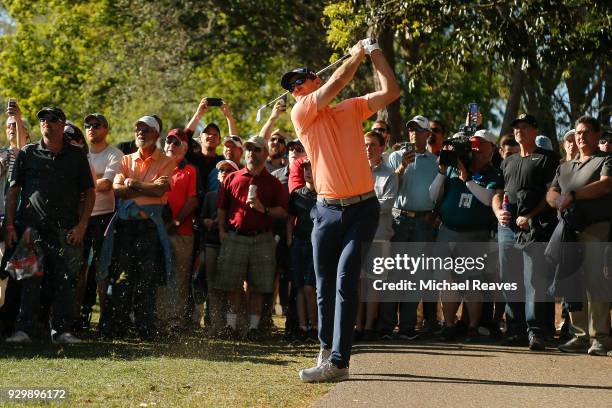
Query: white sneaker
(326, 372)
(324, 355)
(19, 337)
(66, 338)
(597, 349)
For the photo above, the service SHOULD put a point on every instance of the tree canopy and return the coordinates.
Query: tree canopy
(126, 58)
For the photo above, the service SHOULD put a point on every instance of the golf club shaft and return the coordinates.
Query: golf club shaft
(333, 64)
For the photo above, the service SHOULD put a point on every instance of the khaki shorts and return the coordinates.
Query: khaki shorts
(246, 258)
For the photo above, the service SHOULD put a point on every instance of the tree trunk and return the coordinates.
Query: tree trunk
(514, 99)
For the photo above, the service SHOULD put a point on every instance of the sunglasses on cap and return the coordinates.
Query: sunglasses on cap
(173, 141)
(93, 125)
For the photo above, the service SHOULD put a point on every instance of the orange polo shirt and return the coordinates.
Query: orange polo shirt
(146, 170)
(333, 140)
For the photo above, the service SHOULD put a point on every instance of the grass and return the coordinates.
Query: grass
(190, 372)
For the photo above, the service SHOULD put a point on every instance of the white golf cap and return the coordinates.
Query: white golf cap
(228, 162)
(569, 133)
(10, 120)
(150, 121)
(486, 135)
(420, 121)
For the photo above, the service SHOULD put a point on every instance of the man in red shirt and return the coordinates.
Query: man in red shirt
(183, 201)
(249, 199)
(346, 214)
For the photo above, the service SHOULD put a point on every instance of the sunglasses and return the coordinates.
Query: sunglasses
(173, 141)
(143, 130)
(380, 130)
(93, 125)
(417, 129)
(604, 141)
(277, 140)
(254, 149)
(52, 119)
(299, 81)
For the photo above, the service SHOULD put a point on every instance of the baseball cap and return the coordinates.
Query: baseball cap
(569, 133)
(236, 140)
(73, 132)
(294, 74)
(257, 142)
(99, 117)
(231, 163)
(212, 125)
(543, 142)
(10, 120)
(527, 118)
(420, 121)
(150, 121)
(486, 135)
(178, 133)
(294, 142)
(51, 111)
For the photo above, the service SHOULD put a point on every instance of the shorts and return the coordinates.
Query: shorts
(246, 258)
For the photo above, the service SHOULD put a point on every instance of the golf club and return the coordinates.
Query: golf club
(333, 64)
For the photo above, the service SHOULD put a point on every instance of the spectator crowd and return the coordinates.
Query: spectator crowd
(182, 230)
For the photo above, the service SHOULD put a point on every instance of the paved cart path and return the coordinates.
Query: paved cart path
(448, 375)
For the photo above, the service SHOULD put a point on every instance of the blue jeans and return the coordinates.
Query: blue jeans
(530, 270)
(406, 229)
(340, 240)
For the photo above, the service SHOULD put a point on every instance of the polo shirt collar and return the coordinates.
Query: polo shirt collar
(155, 156)
(41, 146)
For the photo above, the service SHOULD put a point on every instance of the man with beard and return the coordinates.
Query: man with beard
(140, 236)
(277, 147)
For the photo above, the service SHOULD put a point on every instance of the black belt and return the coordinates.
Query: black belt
(247, 233)
(408, 213)
(345, 202)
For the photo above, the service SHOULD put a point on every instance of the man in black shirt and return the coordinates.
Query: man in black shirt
(48, 181)
(585, 183)
(526, 219)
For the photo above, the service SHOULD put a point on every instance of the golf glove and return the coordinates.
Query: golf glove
(370, 44)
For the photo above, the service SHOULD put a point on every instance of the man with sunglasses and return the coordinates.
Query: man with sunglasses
(438, 134)
(141, 184)
(346, 214)
(183, 201)
(605, 143)
(105, 160)
(277, 148)
(48, 181)
(248, 203)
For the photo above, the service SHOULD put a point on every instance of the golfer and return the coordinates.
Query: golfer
(346, 214)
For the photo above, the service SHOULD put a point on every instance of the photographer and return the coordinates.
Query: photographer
(463, 190)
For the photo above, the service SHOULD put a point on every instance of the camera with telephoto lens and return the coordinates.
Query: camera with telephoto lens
(453, 150)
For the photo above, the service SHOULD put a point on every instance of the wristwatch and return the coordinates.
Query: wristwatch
(176, 223)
